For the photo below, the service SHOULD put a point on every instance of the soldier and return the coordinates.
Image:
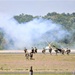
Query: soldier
(68, 51)
(63, 51)
(27, 55)
(31, 55)
(56, 51)
(25, 50)
(50, 50)
(32, 50)
(35, 50)
(31, 71)
(43, 51)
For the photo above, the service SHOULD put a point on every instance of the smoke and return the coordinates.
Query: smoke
(23, 35)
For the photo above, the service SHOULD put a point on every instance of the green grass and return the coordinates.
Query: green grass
(36, 74)
(13, 74)
(41, 73)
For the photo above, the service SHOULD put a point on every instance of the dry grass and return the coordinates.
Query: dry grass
(41, 63)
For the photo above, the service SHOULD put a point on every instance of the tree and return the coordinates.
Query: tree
(23, 18)
(2, 40)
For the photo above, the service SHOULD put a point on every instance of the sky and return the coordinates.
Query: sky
(36, 7)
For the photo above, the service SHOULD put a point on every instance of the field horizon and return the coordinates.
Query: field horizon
(22, 51)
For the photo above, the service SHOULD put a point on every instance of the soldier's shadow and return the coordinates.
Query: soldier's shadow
(32, 59)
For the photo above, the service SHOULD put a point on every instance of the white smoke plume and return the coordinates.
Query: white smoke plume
(25, 34)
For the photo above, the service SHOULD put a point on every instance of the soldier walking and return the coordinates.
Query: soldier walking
(32, 50)
(31, 55)
(35, 50)
(25, 50)
(50, 50)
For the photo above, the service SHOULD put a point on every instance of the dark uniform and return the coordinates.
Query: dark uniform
(63, 51)
(56, 51)
(25, 50)
(50, 50)
(31, 55)
(35, 50)
(68, 51)
(32, 50)
(43, 51)
(31, 71)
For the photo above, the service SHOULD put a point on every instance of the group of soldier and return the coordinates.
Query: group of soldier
(34, 50)
(57, 50)
(30, 55)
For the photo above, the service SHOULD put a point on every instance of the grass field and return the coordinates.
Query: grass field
(41, 63)
(36, 74)
(43, 73)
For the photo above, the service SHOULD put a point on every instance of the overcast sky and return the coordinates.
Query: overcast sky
(36, 7)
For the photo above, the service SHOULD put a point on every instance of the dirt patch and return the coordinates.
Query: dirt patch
(41, 63)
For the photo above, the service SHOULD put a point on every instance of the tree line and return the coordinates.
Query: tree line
(67, 20)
